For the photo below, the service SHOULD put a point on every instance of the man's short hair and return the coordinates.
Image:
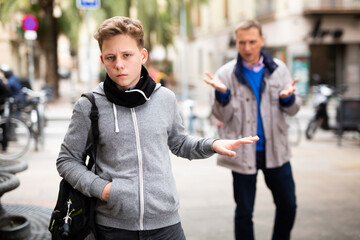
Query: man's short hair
(120, 25)
(245, 25)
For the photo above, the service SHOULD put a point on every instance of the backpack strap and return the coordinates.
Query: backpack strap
(94, 117)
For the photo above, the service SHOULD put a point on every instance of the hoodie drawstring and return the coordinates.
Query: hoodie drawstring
(115, 119)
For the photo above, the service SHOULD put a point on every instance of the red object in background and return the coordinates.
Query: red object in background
(30, 23)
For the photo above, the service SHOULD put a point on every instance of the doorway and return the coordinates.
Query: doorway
(326, 65)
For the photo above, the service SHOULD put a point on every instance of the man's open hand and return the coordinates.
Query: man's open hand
(289, 89)
(215, 83)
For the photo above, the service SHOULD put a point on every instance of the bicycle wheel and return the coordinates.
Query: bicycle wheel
(14, 138)
(37, 126)
(41, 124)
(294, 130)
(196, 126)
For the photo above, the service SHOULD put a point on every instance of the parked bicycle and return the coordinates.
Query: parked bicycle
(22, 122)
(14, 133)
(34, 115)
(194, 123)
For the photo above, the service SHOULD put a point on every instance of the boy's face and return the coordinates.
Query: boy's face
(249, 43)
(122, 60)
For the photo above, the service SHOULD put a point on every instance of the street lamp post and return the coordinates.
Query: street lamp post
(88, 5)
(184, 74)
(30, 25)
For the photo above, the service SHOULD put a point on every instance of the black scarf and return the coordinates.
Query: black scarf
(130, 98)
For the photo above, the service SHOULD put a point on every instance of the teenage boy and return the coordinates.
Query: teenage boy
(138, 124)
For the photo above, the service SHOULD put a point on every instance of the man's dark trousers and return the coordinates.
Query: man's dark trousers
(281, 183)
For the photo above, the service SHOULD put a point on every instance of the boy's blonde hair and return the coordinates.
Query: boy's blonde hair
(120, 25)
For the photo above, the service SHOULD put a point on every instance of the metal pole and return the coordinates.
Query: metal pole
(184, 75)
(88, 49)
(31, 63)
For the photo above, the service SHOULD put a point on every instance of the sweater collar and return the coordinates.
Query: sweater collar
(268, 61)
(256, 67)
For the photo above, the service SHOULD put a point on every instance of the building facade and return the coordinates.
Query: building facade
(14, 51)
(319, 38)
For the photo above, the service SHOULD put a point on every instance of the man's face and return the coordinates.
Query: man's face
(122, 60)
(249, 43)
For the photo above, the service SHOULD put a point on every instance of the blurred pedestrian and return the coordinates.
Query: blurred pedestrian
(5, 93)
(158, 76)
(14, 84)
(252, 94)
(139, 123)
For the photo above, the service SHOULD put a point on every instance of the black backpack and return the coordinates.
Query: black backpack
(74, 214)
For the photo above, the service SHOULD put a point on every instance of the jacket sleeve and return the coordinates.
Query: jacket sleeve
(183, 145)
(293, 108)
(223, 110)
(70, 164)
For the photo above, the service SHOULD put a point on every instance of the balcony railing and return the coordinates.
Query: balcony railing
(332, 6)
(264, 8)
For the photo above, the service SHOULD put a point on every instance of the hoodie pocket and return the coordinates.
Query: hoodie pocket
(124, 199)
(161, 196)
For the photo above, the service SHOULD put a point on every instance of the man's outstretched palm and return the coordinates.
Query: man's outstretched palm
(289, 89)
(215, 83)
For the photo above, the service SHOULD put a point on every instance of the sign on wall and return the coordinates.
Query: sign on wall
(300, 70)
(30, 23)
(88, 4)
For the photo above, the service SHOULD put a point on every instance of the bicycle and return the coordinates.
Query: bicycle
(14, 133)
(194, 124)
(35, 115)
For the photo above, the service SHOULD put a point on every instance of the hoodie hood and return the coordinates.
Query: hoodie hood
(100, 90)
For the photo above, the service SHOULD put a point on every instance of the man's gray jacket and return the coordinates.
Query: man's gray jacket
(239, 115)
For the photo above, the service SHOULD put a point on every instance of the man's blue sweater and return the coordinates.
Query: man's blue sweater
(254, 79)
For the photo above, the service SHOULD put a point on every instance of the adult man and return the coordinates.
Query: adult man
(252, 93)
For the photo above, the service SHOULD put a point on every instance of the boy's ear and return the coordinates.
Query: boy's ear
(102, 60)
(144, 55)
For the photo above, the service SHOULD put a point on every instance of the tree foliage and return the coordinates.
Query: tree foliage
(160, 20)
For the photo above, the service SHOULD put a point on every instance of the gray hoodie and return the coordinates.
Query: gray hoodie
(133, 154)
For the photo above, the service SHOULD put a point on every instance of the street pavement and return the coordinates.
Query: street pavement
(327, 179)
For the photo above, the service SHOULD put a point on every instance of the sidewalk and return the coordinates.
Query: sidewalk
(61, 108)
(327, 184)
(327, 181)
